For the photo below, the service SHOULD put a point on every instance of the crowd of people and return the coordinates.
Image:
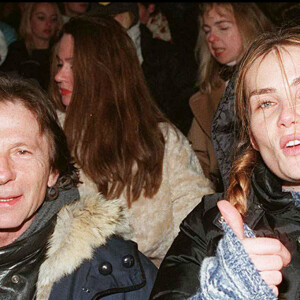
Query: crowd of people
(129, 170)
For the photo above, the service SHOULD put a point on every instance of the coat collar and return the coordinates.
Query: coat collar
(268, 189)
(266, 195)
(204, 107)
(81, 227)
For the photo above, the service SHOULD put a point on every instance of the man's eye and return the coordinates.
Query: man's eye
(23, 152)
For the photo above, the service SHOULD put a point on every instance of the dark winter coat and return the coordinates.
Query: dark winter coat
(83, 252)
(271, 213)
(170, 77)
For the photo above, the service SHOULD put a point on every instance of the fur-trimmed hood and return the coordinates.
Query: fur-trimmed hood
(81, 227)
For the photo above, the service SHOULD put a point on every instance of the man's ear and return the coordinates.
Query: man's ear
(53, 176)
(253, 142)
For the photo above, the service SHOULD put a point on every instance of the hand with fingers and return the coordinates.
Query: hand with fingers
(269, 255)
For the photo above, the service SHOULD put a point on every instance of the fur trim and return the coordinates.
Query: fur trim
(81, 227)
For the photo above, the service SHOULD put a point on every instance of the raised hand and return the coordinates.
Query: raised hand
(269, 255)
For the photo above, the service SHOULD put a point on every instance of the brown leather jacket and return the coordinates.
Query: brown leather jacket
(204, 107)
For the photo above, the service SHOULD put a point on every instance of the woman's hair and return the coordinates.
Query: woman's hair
(245, 156)
(24, 91)
(112, 123)
(25, 29)
(250, 21)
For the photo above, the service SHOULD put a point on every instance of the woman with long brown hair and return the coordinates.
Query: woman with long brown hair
(258, 258)
(125, 148)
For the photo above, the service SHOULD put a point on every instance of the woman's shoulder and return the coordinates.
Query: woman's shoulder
(171, 133)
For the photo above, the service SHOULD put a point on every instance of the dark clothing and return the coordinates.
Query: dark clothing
(20, 263)
(82, 252)
(271, 213)
(170, 77)
(224, 131)
(117, 271)
(35, 65)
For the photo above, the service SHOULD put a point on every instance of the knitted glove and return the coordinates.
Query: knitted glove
(231, 275)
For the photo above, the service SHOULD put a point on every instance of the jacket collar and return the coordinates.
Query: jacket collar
(81, 227)
(266, 195)
(267, 187)
(204, 107)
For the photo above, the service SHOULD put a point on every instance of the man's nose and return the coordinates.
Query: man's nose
(6, 170)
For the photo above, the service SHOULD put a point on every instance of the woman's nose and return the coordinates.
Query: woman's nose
(288, 115)
(212, 37)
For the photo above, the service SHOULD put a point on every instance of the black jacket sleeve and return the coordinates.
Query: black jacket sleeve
(178, 274)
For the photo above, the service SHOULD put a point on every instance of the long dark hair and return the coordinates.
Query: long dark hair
(112, 123)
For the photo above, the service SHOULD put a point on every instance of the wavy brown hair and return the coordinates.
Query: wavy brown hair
(257, 23)
(112, 123)
(246, 157)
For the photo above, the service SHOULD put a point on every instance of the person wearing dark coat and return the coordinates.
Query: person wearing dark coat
(263, 184)
(55, 244)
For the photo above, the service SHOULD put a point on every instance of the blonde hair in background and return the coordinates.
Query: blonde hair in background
(25, 29)
(246, 157)
(257, 23)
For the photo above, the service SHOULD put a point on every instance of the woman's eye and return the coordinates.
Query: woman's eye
(224, 28)
(266, 104)
(206, 30)
(59, 65)
(54, 20)
(41, 18)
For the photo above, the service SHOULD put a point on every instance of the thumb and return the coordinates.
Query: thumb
(232, 217)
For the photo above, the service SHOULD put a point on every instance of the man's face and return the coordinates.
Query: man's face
(73, 9)
(25, 170)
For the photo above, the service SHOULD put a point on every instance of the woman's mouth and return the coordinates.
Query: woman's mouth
(290, 145)
(219, 51)
(65, 92)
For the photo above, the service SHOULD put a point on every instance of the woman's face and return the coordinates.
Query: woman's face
(274, 95)
(222, 34)
(64, 75)
(44, 21)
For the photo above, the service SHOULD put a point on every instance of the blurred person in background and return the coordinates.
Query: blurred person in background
(73, 9)
(151, 16)
(30, 56)
(223, 38)
(3, 48)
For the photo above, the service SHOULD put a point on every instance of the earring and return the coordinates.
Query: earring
(51, 193)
